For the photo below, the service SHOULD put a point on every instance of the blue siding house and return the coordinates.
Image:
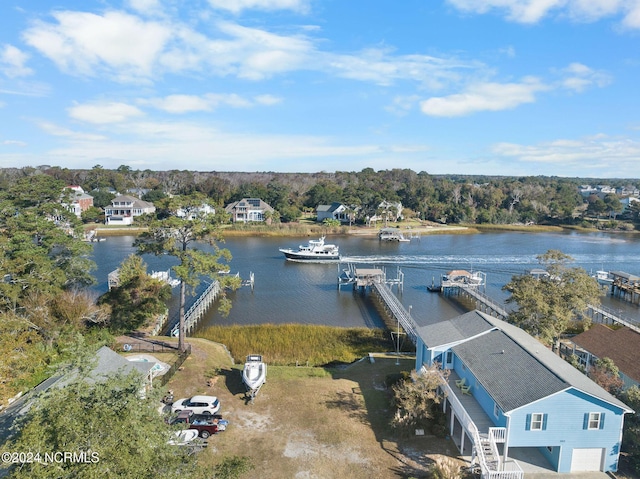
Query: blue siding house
(507, 393)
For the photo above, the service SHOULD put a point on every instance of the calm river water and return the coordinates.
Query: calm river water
(307, 293)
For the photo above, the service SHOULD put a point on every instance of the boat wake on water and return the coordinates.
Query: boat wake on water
(479, 260)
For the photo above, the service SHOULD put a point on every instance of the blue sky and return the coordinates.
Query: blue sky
(496, 87)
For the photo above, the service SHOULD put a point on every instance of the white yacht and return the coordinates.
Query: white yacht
(315, 250)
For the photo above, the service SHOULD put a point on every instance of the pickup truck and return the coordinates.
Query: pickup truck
(205, 424)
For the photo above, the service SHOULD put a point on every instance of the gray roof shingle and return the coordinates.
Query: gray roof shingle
(507, 371)
(454, 330)
(525, 372)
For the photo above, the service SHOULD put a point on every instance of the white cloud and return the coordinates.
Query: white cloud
(189, 103)
(145, 6)
(525, 11)
(56, 130)
(484, 97)
(583, 157)
(237, 6)
(127, 48)
(632, 17)
(591, 10)
(156, 145)
(267, 99)
(12, 62)
(103, 112)
(532, 11)
(579, 77)
(257, 54)
(402, 104)
(380, 66)
(89, 44)
(14, 143)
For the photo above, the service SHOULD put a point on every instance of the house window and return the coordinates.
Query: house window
(594, 421)
(537, 420)
(496, 410)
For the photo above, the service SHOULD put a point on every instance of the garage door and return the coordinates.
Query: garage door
(587, 459)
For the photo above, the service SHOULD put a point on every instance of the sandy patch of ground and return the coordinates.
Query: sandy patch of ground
(307, 427)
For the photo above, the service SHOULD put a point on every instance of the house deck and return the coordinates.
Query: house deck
(475, 411)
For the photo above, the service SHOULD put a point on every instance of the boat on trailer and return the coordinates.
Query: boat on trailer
(254, 374)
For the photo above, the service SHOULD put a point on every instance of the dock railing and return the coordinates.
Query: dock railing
(396, 309)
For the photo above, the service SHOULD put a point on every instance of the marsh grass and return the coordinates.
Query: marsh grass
(299, 344)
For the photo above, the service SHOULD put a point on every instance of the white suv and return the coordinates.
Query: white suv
(197, 404)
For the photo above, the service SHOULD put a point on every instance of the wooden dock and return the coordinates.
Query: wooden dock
(626, 286)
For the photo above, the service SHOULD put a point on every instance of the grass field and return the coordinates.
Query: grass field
(308, 422)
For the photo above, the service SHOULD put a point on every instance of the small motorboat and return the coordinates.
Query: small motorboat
(604, 278)
(184, 437)
(254, 373)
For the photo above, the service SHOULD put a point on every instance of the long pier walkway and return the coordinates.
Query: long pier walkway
(486, 304)
(602, 314)
(196, 310)
(394, 308)
(376, 280)
(483, 302)
(201, 305)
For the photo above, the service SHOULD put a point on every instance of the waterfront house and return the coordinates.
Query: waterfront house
(334, 211)
(77, 201)
(509, 396)
(387, 211)
(621, 345)
(248, 210)
(192, 213)
(628, 201)
(125, 208)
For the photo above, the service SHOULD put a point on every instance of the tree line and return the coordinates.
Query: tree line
(47, 318)
(440, 198)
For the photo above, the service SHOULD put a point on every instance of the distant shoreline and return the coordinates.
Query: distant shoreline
(314, 229)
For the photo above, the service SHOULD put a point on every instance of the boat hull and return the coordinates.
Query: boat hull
(254, 374)
(320, 257)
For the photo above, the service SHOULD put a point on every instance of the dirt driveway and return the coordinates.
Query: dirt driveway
(308, 423)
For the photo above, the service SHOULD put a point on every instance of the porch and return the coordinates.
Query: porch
(475, 434)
